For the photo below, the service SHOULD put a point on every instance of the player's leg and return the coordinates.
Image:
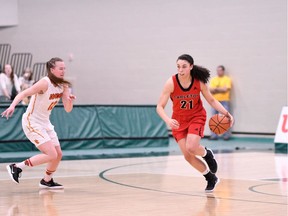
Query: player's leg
(193, 147)
(53, 165)
(48, 153)
(47, 181)
(198, 164)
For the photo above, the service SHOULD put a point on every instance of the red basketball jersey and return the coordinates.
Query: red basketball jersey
(187, 102)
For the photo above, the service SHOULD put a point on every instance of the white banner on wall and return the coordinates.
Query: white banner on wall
(282, 129)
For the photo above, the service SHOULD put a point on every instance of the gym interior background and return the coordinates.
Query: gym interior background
(122, 53)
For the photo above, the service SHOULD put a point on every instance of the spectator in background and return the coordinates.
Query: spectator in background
(9, 84)
(25, 82)
(220, 87)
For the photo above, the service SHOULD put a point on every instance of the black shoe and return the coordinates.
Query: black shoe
(210, 160)
(14, 172)
(51, 184)
(212, 181)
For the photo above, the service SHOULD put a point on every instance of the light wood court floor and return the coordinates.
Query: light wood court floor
(252, 183)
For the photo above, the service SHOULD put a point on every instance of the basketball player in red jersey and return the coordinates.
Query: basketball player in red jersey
(189, 116)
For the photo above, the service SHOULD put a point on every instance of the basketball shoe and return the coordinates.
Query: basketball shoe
(14, 172)
(51, 184)
(212, 181)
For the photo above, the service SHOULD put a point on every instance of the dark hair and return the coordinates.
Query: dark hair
(11, 74)
(222, 67)
(55, 80)
(197, 72)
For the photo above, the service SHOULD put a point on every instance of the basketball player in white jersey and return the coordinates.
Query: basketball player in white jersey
(36, 123)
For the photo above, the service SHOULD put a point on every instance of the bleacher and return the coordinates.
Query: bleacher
(20, 61)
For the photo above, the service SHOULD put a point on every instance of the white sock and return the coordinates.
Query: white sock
(21, 165)
(48, 175)
(47, 178)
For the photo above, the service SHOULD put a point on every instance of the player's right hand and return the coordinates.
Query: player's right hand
(173, 124)
(8, 112)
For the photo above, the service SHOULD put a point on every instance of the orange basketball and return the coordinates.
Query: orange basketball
(219, 124)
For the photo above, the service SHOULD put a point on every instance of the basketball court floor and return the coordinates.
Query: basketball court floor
(252, 183)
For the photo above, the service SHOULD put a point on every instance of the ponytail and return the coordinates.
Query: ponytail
(200, 73)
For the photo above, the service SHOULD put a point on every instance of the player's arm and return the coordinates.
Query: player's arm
(39, 87)
(68, 99)
(215, 103)
(164, 97)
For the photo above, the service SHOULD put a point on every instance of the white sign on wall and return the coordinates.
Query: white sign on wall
(282, 129)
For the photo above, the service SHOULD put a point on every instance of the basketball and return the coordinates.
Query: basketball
(219, 124)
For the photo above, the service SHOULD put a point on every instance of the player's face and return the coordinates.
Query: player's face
(184, 68)
(59, 69)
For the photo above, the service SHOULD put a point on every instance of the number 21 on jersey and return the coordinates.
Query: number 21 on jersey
(186, 104)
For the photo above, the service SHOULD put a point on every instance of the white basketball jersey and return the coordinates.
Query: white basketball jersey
(41, 105)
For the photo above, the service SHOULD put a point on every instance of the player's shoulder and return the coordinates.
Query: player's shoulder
(43, 83)
(169, 85)
(45, 79)
(170, 81)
